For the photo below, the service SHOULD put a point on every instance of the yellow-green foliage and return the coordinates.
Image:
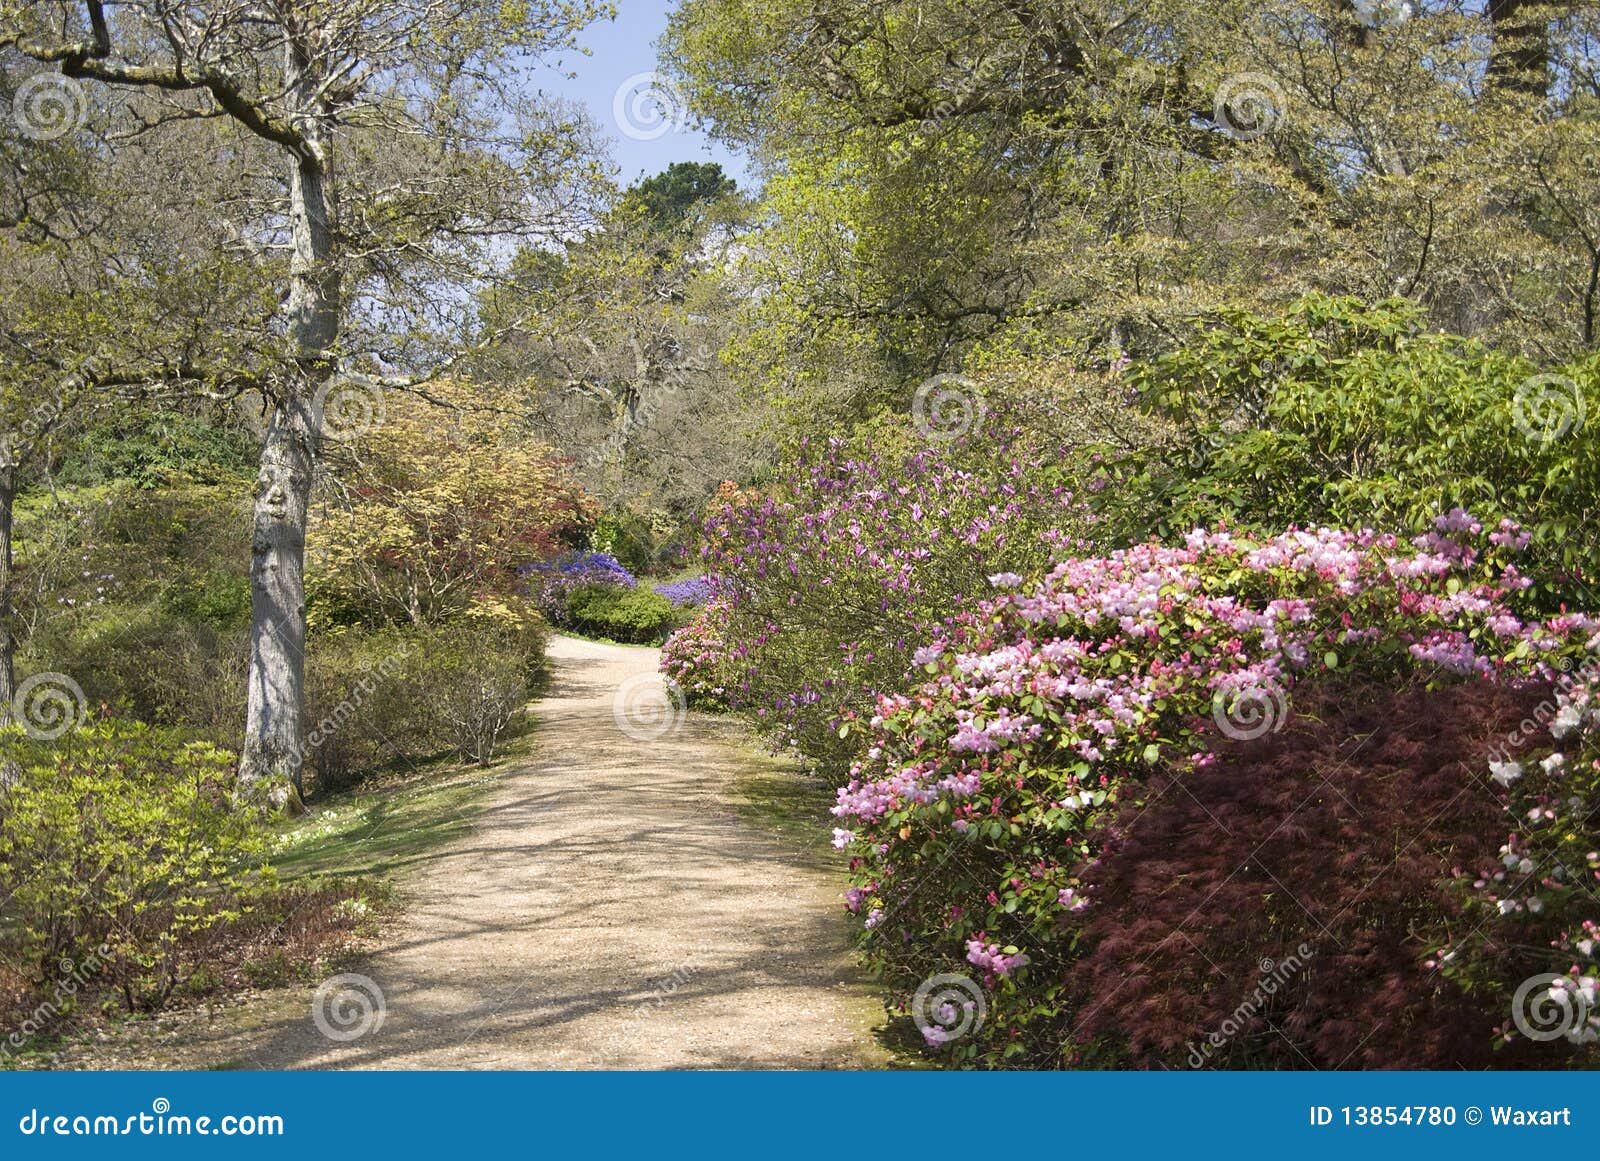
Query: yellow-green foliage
(119, 837)
(945, 172)
(440, 505)
(1337, 412)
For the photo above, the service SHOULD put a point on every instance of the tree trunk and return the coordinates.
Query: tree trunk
(275, 730)
(275, 724)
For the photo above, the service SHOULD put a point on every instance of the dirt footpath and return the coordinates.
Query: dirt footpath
(610, 909)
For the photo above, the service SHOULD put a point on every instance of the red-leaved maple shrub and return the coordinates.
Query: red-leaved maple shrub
(1281, 906)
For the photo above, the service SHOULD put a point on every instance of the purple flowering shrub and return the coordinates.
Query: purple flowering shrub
(976, 815)
(692, 593)
(863, 548)
(552, 583)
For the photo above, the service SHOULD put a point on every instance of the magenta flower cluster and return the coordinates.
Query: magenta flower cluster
(695, 657)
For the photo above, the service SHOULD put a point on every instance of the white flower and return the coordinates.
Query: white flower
(1566, 720)
(1505, 773)
(1536, 904)
(1526, 866)
(1553, 763)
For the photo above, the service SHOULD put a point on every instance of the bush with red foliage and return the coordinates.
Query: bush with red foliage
(1283, 905)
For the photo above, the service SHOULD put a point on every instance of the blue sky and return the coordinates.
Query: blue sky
(650, 133)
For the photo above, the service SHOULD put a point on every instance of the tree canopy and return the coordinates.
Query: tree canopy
(1043, 173)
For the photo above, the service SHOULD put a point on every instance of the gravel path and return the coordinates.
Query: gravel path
(609, 910)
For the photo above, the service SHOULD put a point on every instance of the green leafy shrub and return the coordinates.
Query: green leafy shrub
(153, 449)
(142, 596)
(158, 632)
(635, 614)
(218, 599)
(364, 706)
(373, 697)
(120, 837)
(1336, 412)
(478, 696)
(148, 664)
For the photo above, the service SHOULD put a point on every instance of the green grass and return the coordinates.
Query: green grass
(793, 804)
(381, 832)
(366, 839)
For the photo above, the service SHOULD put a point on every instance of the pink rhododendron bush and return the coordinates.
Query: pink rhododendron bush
(696, 658)
(980, 817)
(829, 579)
